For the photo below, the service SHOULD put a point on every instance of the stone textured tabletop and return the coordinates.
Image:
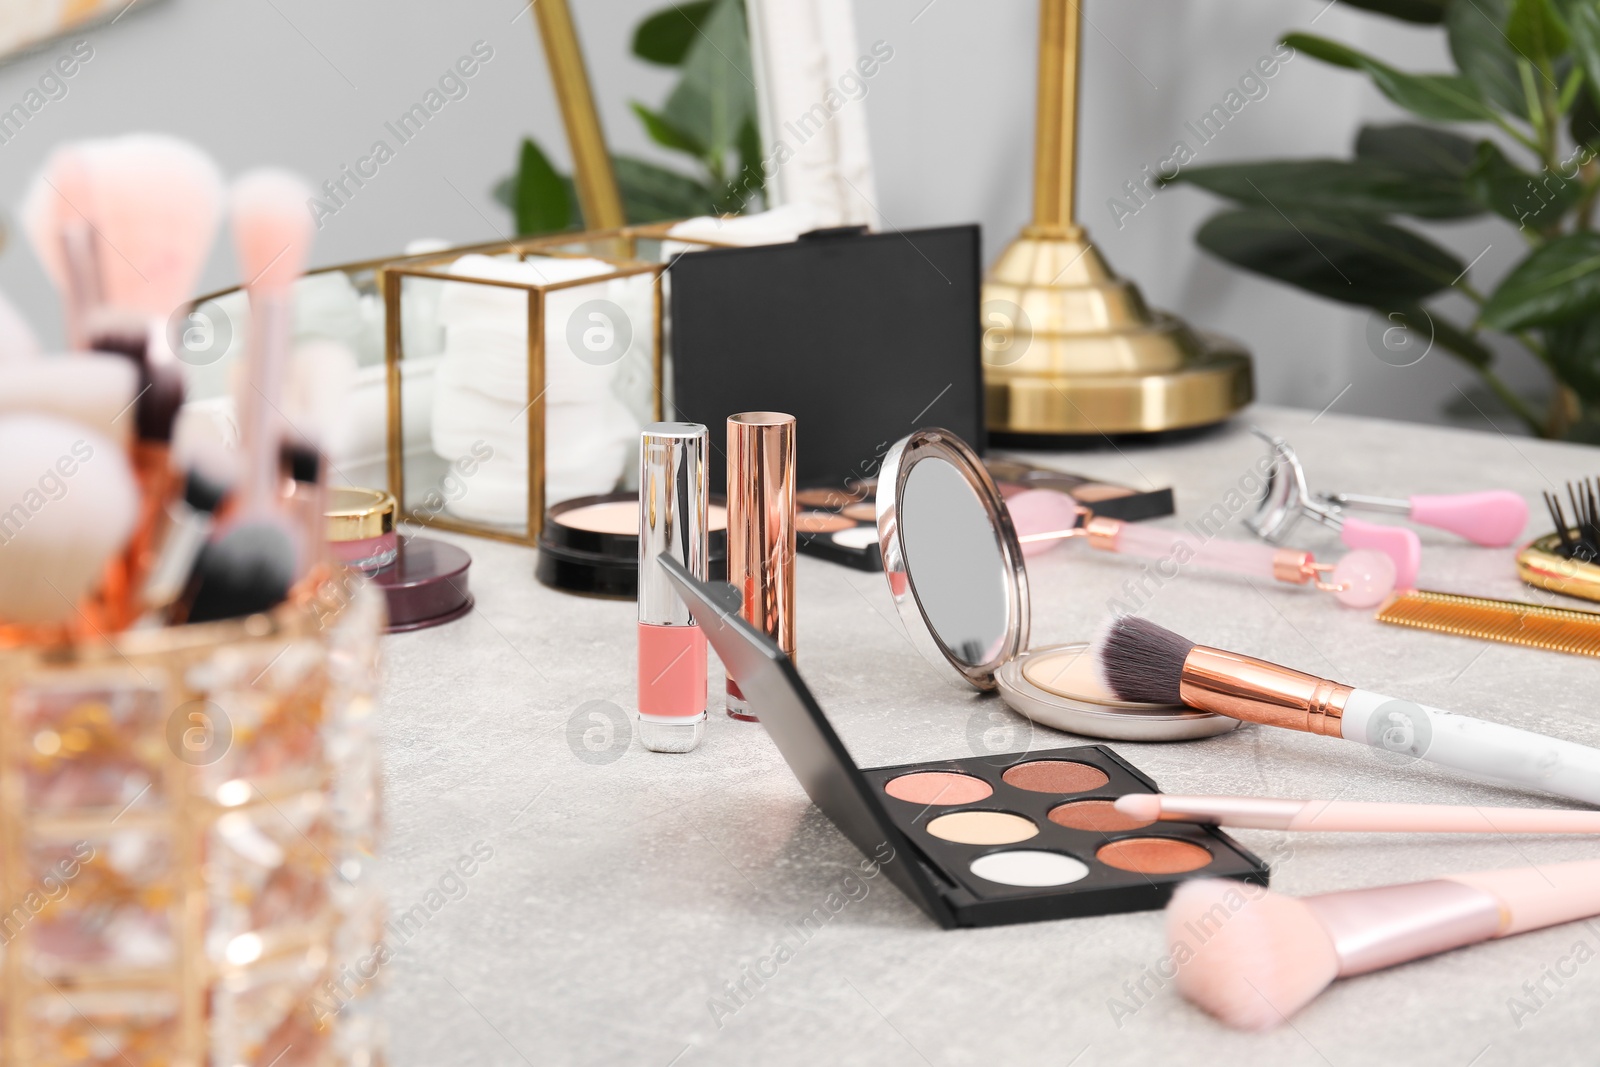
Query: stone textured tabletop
(624, 891)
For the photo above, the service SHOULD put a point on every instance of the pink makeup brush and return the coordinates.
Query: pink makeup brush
(252, 564)
(56, 215)
(1262, 813)
(1253, 958)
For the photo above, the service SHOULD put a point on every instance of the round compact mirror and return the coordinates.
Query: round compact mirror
(956, 574)
(951, 556)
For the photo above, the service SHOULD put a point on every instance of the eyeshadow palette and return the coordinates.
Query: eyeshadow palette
(978, 841)
(1007, 838)
(841, 524)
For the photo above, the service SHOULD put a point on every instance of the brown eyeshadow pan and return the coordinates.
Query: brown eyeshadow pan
(1153, 855)
(1099, 816)
(821, 522)
(938, 787)
(826, 498)
(1055, 776)
(863, 512)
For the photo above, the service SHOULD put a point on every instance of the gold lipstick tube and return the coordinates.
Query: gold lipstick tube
(761, 529)
(1254, 690)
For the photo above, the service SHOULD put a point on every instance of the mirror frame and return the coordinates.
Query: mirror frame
(898, 463)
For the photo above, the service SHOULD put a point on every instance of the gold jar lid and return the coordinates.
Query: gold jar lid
(1539, 564)
(358, 514)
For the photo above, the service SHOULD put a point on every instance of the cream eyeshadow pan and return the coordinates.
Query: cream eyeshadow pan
(622, 517)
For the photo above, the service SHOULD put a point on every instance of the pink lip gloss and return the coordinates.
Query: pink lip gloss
(672, 649)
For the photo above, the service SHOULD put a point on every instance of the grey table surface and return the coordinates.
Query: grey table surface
(626, 889)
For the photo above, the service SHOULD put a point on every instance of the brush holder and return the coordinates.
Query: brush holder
(188, 830)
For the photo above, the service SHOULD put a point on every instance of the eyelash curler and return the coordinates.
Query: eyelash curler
(1286, 500)
(1043, 518)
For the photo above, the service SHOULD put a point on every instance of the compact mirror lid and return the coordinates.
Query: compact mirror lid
(951, 556)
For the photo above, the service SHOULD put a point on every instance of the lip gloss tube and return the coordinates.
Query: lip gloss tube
(761, 530)
(672, 649)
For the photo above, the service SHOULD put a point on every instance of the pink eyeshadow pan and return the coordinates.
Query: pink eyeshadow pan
(938, 787)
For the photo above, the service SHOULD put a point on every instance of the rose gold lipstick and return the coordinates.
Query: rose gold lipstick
(761, 462)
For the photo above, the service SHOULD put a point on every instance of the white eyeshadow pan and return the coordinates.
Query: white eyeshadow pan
(857, 537)
(1029, 867)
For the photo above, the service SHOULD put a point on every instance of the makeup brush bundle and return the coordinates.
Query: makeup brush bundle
(105, 524)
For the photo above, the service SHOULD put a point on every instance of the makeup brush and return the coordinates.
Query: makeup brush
(55, 215)
(190, 519)
(252, 563)
(96, 390)
(1143, 662)
(1270, 813)
(1253, 958)
(71, 503)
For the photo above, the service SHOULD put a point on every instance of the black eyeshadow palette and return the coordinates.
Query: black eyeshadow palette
(840, 524)
(981, 841)
(1035, 836)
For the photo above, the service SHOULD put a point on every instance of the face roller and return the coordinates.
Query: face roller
(1287, 499)
(1044, 517)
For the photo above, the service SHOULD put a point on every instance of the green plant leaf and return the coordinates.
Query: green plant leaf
(540, 204)
(1427, 11)
(1574, 350)
(651, 193)
(1482, 52)
(665, 37)
(1557, 283)
(1426, 151)
(1441, 97)
(1353, 259)
(1584, 20)
(1336, 185)
(665, 134)
(1535, 202)
(1584, 122)
(717, 92)
(1537, 31)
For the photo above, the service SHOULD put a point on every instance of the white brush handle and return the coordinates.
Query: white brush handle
(1472, 745)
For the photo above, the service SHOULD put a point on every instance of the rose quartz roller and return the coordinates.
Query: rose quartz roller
(1045, 517)
(1286, 500)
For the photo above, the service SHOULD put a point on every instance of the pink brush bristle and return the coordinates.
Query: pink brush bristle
(158, 202)
(272, 228)
(56, 214)
(1248, 956)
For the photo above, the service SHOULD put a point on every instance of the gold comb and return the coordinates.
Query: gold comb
(1507, 621)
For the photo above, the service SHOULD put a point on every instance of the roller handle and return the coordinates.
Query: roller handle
(1494, 517)
(1398, 543)
(1238, 557)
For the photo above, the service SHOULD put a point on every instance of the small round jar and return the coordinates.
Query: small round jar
(361, 530)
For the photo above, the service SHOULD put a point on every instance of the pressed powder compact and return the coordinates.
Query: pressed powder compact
(590, 545)
(956, 573)
(982, 841)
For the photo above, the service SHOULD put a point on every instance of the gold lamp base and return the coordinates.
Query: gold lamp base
(1070, 348)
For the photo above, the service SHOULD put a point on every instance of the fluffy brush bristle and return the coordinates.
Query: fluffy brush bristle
(1140, 662)
(157, 205)
(59, 530)
(1250, 957)
(272, 228)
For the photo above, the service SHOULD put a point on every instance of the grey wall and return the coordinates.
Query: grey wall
(310, 85)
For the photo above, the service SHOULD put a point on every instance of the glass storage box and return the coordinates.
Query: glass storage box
(520, 374)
